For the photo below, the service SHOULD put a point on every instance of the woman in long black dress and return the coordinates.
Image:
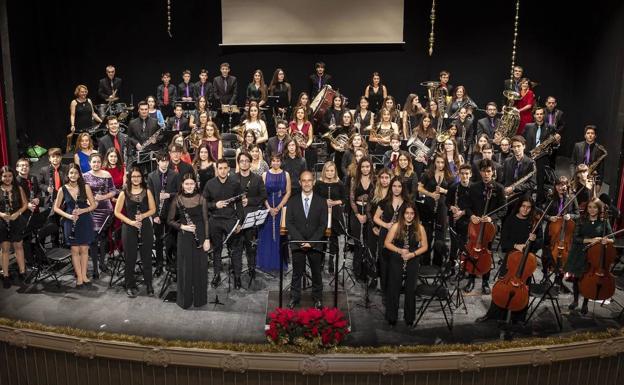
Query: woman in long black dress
(75, 202)
(189, 215)
(382, 186)
(137, 232)
(330, 187)
(11, 223)
(293, 163)
(360, 193)
(204, 166)
(405, 242)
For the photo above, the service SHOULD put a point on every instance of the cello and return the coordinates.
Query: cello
(511, 292)
(478, 258)
(597, 282)
(561, 233)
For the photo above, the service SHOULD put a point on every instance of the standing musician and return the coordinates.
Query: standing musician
(434, 185)
(406, 240)
(356, 142)
(406, 172)
(445, 88)
(280, 87)
(164, 184)
(413, 113)
(32, 217)
(536, 133)
(361, 190)
(319, 79)
(475, 210)
(386, 215)
(143, 127)
(81, 113)
(584, 187)
(114, 138)
(255, 196)
(203, 87)
(589, 229)
(109, 87)
(75, 202)
(166, 94)
(223, 196)
(225, 86)
(178, 122)
(514, 83)
(293, 163)
(51, 179)
(306, 220)
(554, 117)
(382, 142)
(517, 167)
(134, 208)
(487, 152)
(456, 201)
(331, 188)
(189, 215)
(516, 230)
(564, 208)
(302, 131)
(465, 131)
(186, 89)
(382, 186)
(375, 92)
(588, 152)
(14, 204)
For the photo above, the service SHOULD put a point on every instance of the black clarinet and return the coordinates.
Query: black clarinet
(139, 232)
(51, 184)
(72, 234)
(8, 207)
(31, 196)
(161, 202)
(189, 222)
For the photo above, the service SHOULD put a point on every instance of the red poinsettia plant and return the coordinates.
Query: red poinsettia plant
(326, 327)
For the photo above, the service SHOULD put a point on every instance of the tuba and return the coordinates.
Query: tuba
(509, 122)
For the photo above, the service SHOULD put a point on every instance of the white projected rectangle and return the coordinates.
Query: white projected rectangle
(268, 22)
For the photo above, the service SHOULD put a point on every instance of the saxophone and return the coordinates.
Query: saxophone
(544, 148)
(522, 180)
(509, 122)
(592, 167)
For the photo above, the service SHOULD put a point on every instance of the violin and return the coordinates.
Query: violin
(511, 292)
(561, 233)
(477, 259)
(597, 282)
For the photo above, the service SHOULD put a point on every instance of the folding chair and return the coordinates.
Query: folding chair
(433, 287)
(58, 261)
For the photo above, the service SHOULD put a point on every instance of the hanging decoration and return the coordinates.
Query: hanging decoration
(169, 18)
(431, 35)
(515, 38)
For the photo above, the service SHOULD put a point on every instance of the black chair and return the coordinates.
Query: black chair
(433, 287)
(59, 264)
(229, 154)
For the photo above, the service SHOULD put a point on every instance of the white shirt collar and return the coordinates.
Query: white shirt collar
(303, 197)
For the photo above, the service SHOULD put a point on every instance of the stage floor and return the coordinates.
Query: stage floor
(242, 317)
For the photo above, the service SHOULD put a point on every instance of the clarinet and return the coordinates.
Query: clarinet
(8, 207)
(406, 247)
(189, 222)
(161, 202)
(31, 196)
(51, 184)
(139, 233)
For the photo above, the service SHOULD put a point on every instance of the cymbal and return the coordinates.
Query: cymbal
(112, 99)
(430, 84)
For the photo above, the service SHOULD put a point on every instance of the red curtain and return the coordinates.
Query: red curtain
(4, 152)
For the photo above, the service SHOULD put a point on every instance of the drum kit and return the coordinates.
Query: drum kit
(120, 110)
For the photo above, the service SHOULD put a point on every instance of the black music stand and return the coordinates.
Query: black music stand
(253, 220)
(216, 301)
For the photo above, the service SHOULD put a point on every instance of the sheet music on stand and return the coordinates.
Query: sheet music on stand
(255, 218)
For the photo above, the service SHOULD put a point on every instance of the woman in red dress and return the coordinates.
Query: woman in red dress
(113, 163)
(525, 105)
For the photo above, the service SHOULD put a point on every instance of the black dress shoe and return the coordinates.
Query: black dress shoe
(372, 285)
(482, 319)
(318, 305)
(216, 280)
(131, 292)
(159, 270)
(469, 286)
(584, 309)
(237, 283)
(150, 289)
(292, 304)
(485, 289)
(252, 274)
(573, 305)
(95, 276)
(21, 276)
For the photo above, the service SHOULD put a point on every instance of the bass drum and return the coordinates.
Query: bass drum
(322, 101)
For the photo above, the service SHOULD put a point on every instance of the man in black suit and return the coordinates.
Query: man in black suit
(164, 184)
(51, 178)
(186, 89)
(141, 128)
(32, 217)
(554, 116)
(277, 144)
(488, 153)
(306, 220)
(536, 133)
(318, 80)
(514, 83)
(109, 85)
(114, 138)
(166, 95)
(178, 123)
(255, 195)
(176, 163)
(517, 167)
(588, 152)
(488, 124)
(203, 87)
(224, 86)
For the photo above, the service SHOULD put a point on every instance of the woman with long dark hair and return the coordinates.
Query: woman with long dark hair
(376, 92)
(12, 224)
(280, 87)
(360, 193)
(74, 202)
(293, 163)
(134, 208)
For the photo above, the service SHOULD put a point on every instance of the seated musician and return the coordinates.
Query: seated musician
(276, 144)
(178, 122)
(391, 157)
(475, 210)
(488, 124)
(333, 115)
(114, 138)
(516, 230)
(176, 163)
(564, 205)
(257, 125)
(110, 86)
(384, 130)
(516, 168)
(487, 153)
(186, 89)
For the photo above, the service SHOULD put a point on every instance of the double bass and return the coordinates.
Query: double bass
(561, 233)
(511, 292)
(597, 282)
(477, 259)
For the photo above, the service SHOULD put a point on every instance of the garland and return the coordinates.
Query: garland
(307, 349)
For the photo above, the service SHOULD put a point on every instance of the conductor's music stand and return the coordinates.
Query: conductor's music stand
(253, 220)
(227, 238)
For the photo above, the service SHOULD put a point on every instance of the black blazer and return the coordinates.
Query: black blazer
(46, 175)
(530, 130)
(221, 96)
(255, 190)
(483, 126)
(578, 157)
(208, 91)
(183, 168)
(172, 187)
(136, 132)
(105, 90)
(173, 94)
(36, 191)
(314, 83)
(526, 166)
(559, 123)
(272, 146)
(475, 204)
(172, 126)
(311, 228)
(106, 142)
(182, 90)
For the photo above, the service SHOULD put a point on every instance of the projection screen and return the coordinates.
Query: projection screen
(271, 22)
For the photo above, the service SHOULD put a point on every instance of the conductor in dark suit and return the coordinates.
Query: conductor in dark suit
(306, 220)
(319, 79)
(114, 138)
(141, 128)
(108, 85)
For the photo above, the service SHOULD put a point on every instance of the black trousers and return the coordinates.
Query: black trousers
(249, 236)
(458, 240)
(129, 235)
(97, 250)
(219, 229)
(393, 288)
(192, 273)
(299, 263)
